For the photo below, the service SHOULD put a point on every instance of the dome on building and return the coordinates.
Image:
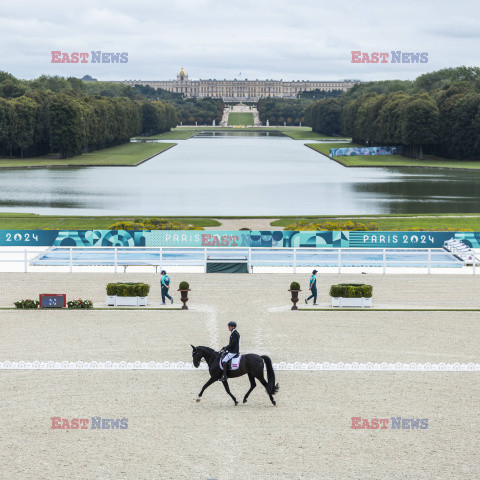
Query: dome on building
(182, 75)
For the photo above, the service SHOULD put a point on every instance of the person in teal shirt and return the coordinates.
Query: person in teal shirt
(165, 284)
(313, 288)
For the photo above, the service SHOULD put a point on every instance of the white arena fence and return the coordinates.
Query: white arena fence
(335, 259)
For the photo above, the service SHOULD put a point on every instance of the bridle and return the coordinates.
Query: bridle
(213, 357)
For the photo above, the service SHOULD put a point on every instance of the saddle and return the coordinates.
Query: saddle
(234, 363)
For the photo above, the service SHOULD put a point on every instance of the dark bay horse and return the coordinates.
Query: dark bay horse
(250, 364)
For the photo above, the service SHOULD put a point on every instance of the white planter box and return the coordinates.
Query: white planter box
(126, 301)
(351, 302)
(110, 300)
(142, 301)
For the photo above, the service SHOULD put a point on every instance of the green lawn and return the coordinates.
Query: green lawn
(126, 154)
(14, 221)
(240, 118)
(392, 160)
(309, 135)
(30, 221)
(395, 222)
(171, 135)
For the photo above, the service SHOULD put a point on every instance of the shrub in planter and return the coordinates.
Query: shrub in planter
(27, 303)
(351, 295)
(129, 289)
(294, 286)
(294, 289)
(142, 289)
(127, 294)
(121, 290)
(80, 303)
(352, 290)
(184, 288)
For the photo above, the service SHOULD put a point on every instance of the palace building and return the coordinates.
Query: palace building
(241, 90)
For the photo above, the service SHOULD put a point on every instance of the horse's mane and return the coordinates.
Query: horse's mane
(207, 349)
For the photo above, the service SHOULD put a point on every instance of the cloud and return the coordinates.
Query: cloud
(305, 39)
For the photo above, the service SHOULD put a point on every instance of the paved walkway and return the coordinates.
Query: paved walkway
(256, 118)
(224, 120)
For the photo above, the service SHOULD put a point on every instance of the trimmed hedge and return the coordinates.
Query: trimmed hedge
(294, 286)
(351, 290)
(128, 289)
(184, 286)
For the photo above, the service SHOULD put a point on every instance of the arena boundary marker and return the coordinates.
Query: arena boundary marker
(281, 366)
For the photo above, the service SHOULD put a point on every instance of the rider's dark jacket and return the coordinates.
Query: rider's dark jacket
(234, 345)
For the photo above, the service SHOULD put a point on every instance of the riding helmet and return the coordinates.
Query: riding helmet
(232, 324)
(163, 272)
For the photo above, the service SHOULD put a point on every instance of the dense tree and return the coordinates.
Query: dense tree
(67, 131)
(318, 94)
(380, 87)
(282, 110)
(7, 125)
(324, 116)
(419, 123)
(56, 115)
(367, 113)
(25, 112)
(447, 77)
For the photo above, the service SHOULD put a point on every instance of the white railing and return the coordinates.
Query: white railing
(335, 258)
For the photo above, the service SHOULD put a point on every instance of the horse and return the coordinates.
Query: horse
(250, 364)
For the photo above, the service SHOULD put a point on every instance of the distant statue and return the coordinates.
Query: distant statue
(213, 123)
(268, 123)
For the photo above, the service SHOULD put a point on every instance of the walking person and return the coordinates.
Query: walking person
(231, 350)
(313, 288)
(165, 284)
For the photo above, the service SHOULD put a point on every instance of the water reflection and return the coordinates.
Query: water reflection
(236, 133)
(246, 174)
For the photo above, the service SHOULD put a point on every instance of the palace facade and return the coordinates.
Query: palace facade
(241, 90)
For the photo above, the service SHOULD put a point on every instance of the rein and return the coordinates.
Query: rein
(214, 355)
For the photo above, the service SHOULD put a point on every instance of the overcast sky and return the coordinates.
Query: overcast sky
(280, 39)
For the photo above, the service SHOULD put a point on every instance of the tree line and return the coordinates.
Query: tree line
(291, 111)
(191, 111)
(55, 115)
(438, 113)
(282, 110)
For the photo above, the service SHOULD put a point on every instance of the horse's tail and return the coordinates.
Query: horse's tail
(272, 389)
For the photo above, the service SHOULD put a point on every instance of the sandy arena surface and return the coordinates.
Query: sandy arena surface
(307, 436)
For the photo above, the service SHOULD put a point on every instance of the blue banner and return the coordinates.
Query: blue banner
(353, 151)
(233, 238)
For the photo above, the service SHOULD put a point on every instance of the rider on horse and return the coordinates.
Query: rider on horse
(231, 350)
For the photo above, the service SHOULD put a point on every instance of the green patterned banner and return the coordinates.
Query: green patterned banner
(233, 238)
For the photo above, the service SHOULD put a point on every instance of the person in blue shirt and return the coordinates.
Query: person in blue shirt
(313, 288)
(165, 284)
